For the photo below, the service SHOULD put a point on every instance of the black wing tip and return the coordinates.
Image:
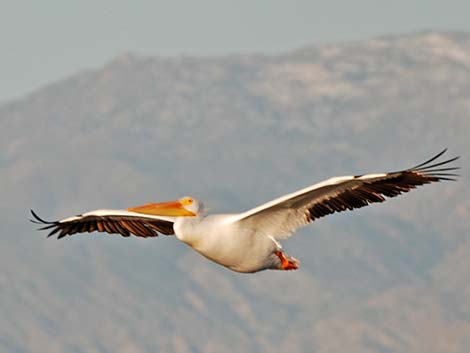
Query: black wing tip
(48, 224)
(39, 220)
(432, 170)
(430, 160)
(429, 168)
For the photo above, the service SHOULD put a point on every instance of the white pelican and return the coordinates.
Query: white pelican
(248, 241)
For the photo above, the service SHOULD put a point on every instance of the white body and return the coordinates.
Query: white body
(227, 243)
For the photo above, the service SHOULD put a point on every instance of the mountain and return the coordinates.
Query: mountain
(236, 131)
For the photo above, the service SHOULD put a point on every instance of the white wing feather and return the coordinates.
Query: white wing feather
(116, 214)
(282, 216)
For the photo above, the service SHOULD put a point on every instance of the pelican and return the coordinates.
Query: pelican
(249, 241)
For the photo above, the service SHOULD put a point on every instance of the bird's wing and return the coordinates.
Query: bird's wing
(110, 221)
(281, 217)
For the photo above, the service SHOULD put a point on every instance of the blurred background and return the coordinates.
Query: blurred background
(49, 40)
(112, 104)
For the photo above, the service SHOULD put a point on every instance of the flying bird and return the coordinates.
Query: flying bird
(249, 241)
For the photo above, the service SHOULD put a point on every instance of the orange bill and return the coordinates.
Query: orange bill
(172, 209)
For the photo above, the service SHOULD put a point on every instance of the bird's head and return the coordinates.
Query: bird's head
(183, 207)
(192, 205)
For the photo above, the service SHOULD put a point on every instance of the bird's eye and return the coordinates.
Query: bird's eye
(189, 200)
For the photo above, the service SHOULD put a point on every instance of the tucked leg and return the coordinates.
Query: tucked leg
(287, 262)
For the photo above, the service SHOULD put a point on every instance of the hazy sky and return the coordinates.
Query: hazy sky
(42, 41)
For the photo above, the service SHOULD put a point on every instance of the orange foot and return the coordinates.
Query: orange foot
(287, 263)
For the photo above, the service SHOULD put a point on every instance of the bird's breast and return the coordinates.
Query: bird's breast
(226, 244)
(210, 235)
